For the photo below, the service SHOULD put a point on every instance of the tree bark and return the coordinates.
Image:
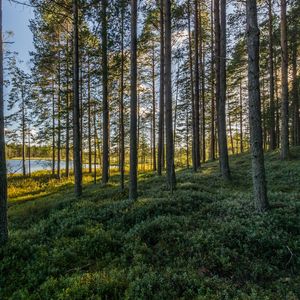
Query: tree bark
(67, 118)
(89, 118)
(171, 178)
(241, 117)
(284, 151)
(212, 155)
(296, 121)
(197, 92)
(153, 111)
(161, 150)
(258, 169)
(3, 175)
(122, 131)
(271, 80)
(76, 108)
(133, 105)
(192, 84)
(105, 113)
(59, 115)
(223, 149)
(23, 135)
(53, 128)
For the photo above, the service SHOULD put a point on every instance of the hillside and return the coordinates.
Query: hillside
(203, 242)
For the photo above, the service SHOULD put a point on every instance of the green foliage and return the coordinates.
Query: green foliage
(203, 242)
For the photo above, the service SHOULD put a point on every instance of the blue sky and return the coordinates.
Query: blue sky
(16, 18)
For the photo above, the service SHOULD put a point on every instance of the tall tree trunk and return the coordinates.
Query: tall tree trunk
(197, 92)
(271, 80)
(187, 139)
(171, 178)
(202, 63)
(23, 135)
(29, 151)
(122, 131)
(241, 117)
(153, 111)
(223, 149)
(161, 150)
(296, 121)
(89, 118)
(76, 108)
(59, 115)
(53, 128)
(68, 118)
(105, 160)
(212, 155)
(133, 105)
(95, 142)
(258, 168)
(3, 176)
(231, 134)
(284, 151)
(192, 83)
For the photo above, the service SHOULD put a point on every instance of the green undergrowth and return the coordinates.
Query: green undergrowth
(203, 242)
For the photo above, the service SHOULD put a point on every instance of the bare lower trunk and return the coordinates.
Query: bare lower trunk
(122, 131)
(89, 119)
(284, 153)
(133, 105)
(271, 80)
(223, 150)
(76, 109)
(196, 164)
(3, 178)
(153, 112)
(212, 127)
(258, 169)
(192, 85)
(105, 160)
(171, 178)
(160, 154)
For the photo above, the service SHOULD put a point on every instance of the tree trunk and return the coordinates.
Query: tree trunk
(153, 112)
(76, 108)
(3, 176)
(53, 128)
(59, 115)
(197, 92)
(271, 80)
(296, 121)
(192, 84)
(105, 160)
(68, 119)
(23, 135)
(171, 178)
(202, 64)
(89, 119)
(133, 105)
(212, 155)
(29, 151)
(160, 154)
(284, 151)
(241, 117)
(122, 131)
(223, 149)
(258, 169)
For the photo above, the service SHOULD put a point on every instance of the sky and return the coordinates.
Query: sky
(16, 19)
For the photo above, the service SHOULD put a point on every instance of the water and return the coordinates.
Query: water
(15, 166)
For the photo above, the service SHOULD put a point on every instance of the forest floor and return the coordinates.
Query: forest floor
(203, 242)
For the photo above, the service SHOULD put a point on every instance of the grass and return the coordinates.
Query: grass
(202, 242)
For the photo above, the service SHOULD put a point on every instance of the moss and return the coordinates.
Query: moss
(203, 242)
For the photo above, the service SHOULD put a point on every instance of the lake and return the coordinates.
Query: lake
(15, 166)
